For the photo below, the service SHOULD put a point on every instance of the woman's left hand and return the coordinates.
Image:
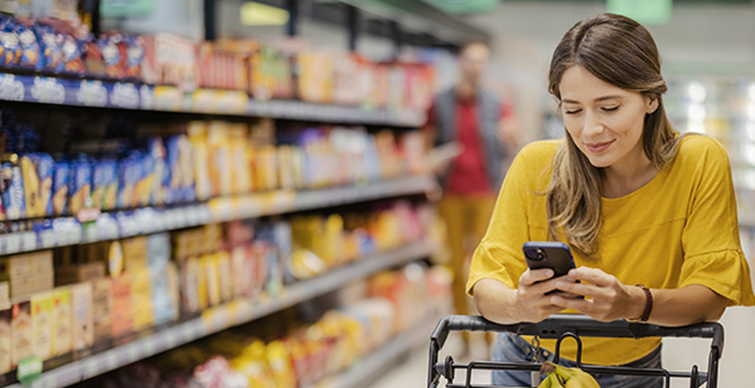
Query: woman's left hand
(606, 298)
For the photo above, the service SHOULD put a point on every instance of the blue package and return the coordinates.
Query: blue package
(81, 185)
(51, 47)
(14, 198)
(158, 190)
(45, 172)
(30, 54)
(129, 172)
(10, 43)
(105, 184)
(60, 187)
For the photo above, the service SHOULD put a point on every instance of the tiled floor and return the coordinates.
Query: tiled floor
(678, 354)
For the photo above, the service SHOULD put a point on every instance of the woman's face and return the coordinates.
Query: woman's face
(605, 121)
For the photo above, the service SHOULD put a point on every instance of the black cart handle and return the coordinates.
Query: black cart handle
(557, 325)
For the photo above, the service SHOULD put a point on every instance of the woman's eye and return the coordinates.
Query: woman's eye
(573, 112)
(611, 109)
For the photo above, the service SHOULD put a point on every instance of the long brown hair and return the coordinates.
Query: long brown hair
(621, 52)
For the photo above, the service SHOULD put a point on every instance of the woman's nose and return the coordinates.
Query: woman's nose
(593, 126)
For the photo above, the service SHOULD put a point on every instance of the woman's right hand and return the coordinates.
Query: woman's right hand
(531, 303)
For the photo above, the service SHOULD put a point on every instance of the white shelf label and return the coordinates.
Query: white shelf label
(29, 241)
(48, 238)
(12, 243)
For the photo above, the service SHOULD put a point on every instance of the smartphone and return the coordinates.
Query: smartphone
(554, 255)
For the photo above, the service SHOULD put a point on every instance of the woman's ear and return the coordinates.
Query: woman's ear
(652, 105)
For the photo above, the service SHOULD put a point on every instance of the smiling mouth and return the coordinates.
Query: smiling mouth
(597, 148)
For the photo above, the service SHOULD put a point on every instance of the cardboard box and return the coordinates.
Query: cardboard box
(42, 282)
(4, 293)
(15, 267)
(101, 309)
(80, 273)
(82, 324)
(42, 323)
(6, 342)
(134, 253)
(141, 299)
(22, 331)
(21, 287)
(62, 320)
(121, 309)
(42, 263)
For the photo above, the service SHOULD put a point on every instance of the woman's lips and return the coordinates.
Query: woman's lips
(597, 148)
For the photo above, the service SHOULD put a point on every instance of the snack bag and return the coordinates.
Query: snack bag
(110, 198)
(30, 55)
(45, 171)
(111, 55)
(11, 45)
(14, 197)
(73, 58)
(158, 189)
(146, 179)
(128, 177)
(60, 186)
(220, 158)
(81, 185)
(51, 47)
(132, 56)
(34, 207)
(198, 138)
(101, 181)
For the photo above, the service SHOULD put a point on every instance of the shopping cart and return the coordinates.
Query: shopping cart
(571, 326)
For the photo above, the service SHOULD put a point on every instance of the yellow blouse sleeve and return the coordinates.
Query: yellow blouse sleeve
(499, 255)
(713, 255)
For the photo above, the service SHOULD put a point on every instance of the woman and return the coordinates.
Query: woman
(650, 215)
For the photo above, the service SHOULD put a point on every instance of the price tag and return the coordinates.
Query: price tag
(12, 243)
(133, 353)
(48, 238)
(125, 95)
(29, 369)
(28, 241)
(90, 232)
(48, 90)
(92, 93)
(112, 360)
(92, 368)
(170, 339)
(11, 89)
(181, 218)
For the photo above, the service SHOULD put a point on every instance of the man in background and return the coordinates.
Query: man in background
(467, 120)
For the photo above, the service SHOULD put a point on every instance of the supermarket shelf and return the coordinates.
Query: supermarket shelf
(366, 370)
(109, 226)
(222, 317)
(747, 220)
(126, 95)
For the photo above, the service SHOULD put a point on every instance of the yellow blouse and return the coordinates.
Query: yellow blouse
(679, 229)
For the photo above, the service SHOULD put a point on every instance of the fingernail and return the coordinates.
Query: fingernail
(549, 272)
(555, 300)
(560, 284)
(573, 272)
(569, 279)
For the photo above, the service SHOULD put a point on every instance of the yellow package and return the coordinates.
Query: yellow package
(279, 358)
(212, 279)
(241, 166)
(224, 274)
(219, 158)
(34, 205)
(254, 366)
(141, 299)
(316, 72)
(41, 318)
(62, 320)
(286, 168)
(198, 138)
(265, 168)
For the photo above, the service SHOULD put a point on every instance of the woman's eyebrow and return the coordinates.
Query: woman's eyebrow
(599, 99)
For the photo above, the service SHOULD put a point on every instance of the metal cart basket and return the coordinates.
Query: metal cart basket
(560, 327)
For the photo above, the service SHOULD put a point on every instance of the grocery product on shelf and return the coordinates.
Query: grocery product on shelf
(301, 353)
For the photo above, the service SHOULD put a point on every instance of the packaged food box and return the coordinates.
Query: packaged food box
(6, 338)
(82, 323)
(121, 308)
(61, 320)
(42, 323)
(101, 309)
(23, 332)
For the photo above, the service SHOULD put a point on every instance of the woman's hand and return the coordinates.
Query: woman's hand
(531, 303)
(606, 298)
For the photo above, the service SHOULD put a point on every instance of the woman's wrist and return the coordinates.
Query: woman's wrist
(637, 305)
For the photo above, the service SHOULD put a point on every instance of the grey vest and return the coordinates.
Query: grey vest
(488, 113)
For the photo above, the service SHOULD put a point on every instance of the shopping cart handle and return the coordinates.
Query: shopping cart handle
(557, 325)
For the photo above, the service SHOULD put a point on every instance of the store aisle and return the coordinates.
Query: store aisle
(413, 372)
(678, 354)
